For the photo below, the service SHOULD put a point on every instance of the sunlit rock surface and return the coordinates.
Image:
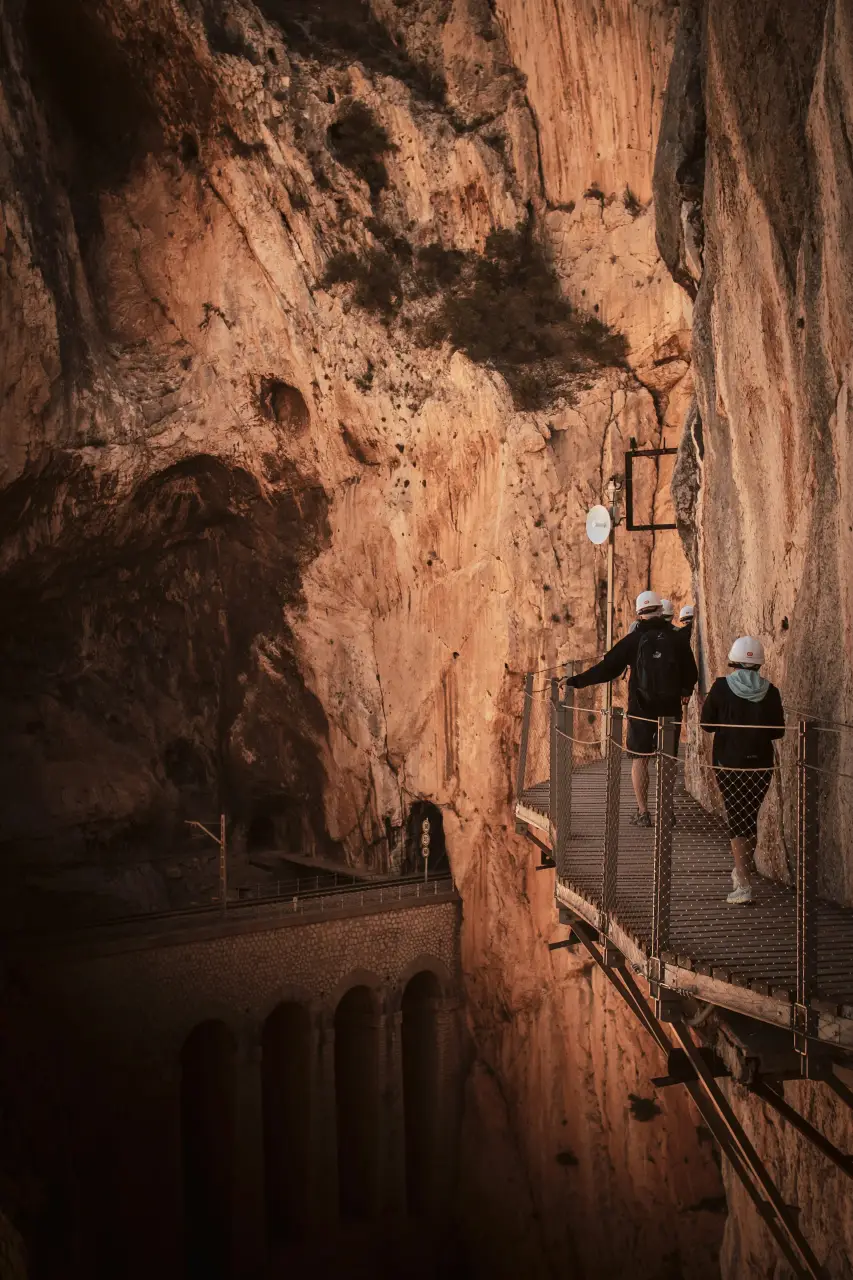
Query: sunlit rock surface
(270, 544)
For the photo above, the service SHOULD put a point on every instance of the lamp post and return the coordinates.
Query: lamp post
(223, 858)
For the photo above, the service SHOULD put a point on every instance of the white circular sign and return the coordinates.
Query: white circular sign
(598, 525)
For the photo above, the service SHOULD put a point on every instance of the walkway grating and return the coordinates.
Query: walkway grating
(752, 947)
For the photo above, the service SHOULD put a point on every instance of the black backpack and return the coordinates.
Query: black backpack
(657, 667)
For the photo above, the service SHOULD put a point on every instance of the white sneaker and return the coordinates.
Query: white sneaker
(741, 895)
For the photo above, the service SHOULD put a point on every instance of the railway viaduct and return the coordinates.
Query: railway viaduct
(212, 1091)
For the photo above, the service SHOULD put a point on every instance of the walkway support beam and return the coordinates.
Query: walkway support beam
(717, 1114)
(808, 844)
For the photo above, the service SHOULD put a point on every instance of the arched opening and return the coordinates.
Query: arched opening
(421, 1090)
(422, 811)
(286, 1074)
(357, 1102)
(208, 1084)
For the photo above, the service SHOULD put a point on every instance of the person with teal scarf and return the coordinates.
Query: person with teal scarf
(745, 714)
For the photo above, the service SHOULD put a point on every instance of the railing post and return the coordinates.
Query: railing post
(566, 725)
(552, 759)
(561, 785)
(662, 871)
(808, 841)
(525, 734)
(611, 816)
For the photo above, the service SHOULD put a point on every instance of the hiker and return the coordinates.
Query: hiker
(685, 630)
(667, 612)
(743, 755)
(663, 675)
(686, 620)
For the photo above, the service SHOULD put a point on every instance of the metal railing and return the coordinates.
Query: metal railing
(326, 900)
(666, 885)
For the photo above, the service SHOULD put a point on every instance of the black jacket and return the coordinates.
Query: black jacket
(739, 748)
(624, 654)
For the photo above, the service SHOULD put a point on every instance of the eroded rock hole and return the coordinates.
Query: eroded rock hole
(285, 405)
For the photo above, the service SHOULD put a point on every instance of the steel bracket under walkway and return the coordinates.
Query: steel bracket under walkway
(712, 1104)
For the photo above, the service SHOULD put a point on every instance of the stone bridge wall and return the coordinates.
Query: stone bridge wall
(110, 1019)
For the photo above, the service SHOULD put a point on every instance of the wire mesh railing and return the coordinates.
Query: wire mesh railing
(762, 821)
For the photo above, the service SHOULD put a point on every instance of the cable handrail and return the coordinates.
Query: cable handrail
(825, 723)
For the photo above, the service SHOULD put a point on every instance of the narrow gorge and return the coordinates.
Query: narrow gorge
(324, 323)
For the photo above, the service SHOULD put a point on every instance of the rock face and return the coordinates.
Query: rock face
(754, 198)
(286, 511)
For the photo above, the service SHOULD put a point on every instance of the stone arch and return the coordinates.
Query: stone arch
(421, 963)
(423, 1088)
(208, 1143)
(358, 978)
(286, 1066)
(288, 993)
(358, 1056)
(241, 1025)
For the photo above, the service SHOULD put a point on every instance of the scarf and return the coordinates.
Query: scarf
(747, 684)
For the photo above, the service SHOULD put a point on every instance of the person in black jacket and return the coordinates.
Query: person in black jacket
(686, 620)
(744, 712)
(663, 676)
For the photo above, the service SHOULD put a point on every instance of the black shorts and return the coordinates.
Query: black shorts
(743, 793)
(642, 737)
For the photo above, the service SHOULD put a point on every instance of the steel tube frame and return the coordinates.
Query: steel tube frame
(717, 1115)
(773, 1099)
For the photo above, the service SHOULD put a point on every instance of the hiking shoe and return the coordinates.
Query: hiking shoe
(641, 819)
(740, 896)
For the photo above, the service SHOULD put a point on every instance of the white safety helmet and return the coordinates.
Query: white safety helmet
(747, 651)
(666, 608)
(648, 604)
(686, 614)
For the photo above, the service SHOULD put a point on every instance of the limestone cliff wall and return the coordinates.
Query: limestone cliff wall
(273, 543)
(754, 196)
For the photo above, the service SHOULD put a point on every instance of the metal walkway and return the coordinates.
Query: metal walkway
(650, 902)
(752, 947)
